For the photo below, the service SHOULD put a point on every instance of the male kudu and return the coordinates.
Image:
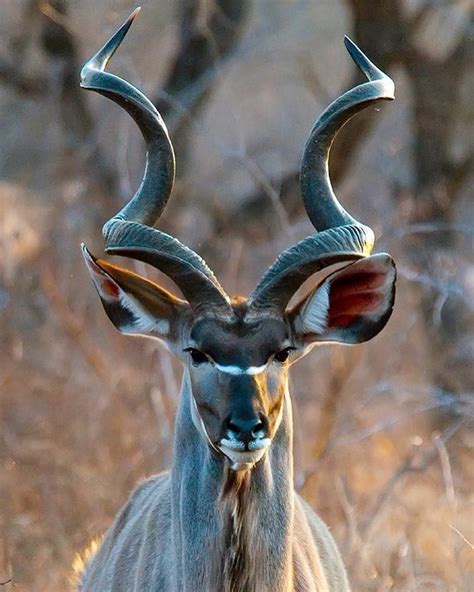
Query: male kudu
(226, 517)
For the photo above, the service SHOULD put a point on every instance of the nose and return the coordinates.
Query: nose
(246, 429)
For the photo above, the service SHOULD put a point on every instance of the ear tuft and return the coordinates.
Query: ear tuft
(316, 311)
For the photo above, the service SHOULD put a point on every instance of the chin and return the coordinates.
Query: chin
(243, 460)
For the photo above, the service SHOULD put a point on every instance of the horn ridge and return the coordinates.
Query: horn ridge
(155, 188)
(129, 232)
(321, 203)
(186, 268)
(310, 255)
(341, 237)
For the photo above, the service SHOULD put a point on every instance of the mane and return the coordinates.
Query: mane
(238, 534)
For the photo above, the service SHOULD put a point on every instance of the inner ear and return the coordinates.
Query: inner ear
(357, 290)
(351, 305)
(134, 304)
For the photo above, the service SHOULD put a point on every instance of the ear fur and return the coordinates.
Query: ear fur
(351, 305)
(135, 305)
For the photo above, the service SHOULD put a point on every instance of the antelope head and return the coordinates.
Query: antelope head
(237, 352)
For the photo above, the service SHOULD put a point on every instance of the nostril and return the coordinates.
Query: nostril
(259, 427)
(231, 426)
(245, 430)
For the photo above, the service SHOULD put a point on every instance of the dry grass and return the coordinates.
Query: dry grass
(85, 413)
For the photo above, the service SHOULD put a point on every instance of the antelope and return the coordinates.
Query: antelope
(226, 516)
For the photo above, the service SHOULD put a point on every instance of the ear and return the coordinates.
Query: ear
(135, 305)
(351, 305)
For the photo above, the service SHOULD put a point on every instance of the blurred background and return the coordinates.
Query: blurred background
(384, 441)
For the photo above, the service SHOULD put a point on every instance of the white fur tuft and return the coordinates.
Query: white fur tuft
(316, 310)
(143, 321)
(237, 370)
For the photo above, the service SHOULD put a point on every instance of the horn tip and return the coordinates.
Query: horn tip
(119, 35)
(100, 60)
(88, 256)
(370, 69)
(134, 14)
(128, 23)
(348, 41)
(359, 57)
(351, 46)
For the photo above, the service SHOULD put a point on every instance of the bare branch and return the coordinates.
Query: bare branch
(71, 326)
(26, 85)
(209, 32)
(417, 461)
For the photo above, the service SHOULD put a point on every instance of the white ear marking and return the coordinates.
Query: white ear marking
(143, 321)
(111, 292)
(316, 310)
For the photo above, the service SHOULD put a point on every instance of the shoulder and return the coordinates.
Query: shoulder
(317, 525)
(151, 487)
(327, 548)
(129, 524)
(148, 494)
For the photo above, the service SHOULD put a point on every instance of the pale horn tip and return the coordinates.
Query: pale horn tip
(370, 69)
(100, 60)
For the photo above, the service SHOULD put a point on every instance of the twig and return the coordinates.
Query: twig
(457, 531)
(449, 288)
(342, 366)
(388, 423)
(416, 462)
(161, 410)
(208, 34)
(71, 326)
(54, 15)
(447, 472)
(12, 68)
(427, 228)
(349, 514)
(233, 264)
(27, 85)
(265, 185)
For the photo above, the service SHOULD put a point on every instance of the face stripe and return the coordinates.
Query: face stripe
(238, 371)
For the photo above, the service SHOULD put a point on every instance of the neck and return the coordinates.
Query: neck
(222, 519)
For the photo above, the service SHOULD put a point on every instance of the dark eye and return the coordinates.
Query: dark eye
(282, 355)
(197, 356)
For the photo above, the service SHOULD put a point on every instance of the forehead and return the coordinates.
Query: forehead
(239, 343)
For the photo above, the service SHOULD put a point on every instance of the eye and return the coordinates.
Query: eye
(283, 355)
(197, 357)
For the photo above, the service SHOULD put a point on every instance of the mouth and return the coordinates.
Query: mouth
(240, 458)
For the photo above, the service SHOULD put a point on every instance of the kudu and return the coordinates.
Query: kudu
(226, 517)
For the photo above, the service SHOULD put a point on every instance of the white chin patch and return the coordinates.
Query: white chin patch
(244, 460)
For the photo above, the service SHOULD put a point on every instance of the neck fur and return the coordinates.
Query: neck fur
(223, 520)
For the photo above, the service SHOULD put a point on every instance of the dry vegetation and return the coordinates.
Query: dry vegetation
(383, 440)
